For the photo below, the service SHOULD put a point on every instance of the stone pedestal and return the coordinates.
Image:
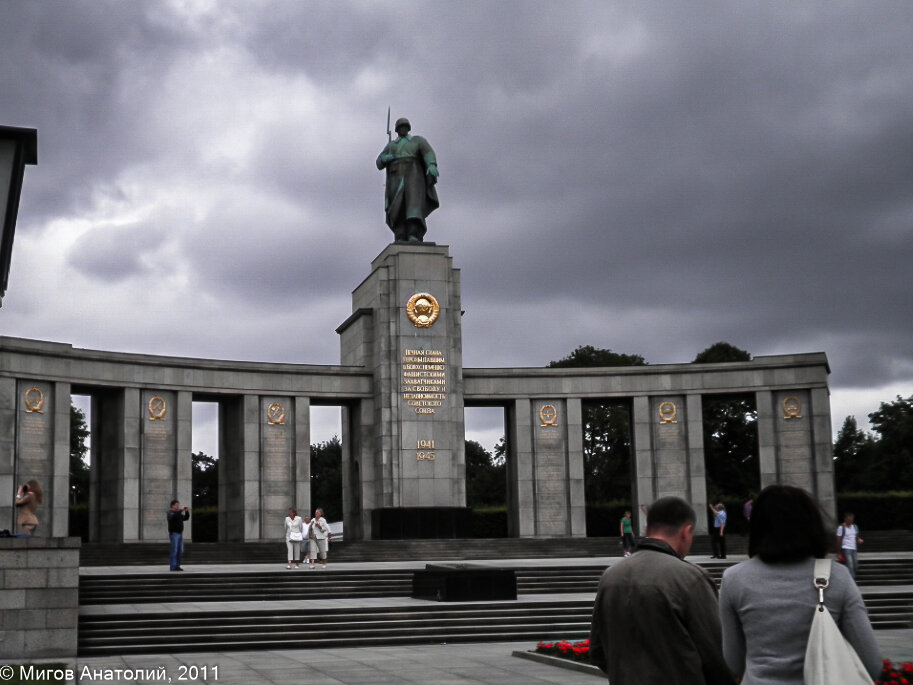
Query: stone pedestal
(405, 329)
(39, 598)
(464, 583)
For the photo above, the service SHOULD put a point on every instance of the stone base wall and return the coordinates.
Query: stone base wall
(39, 598)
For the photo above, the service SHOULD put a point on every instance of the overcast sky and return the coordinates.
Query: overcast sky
(649, 177)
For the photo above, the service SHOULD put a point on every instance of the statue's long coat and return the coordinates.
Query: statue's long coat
(410, 191)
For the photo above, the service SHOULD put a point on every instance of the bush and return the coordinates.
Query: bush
(205, 524)
(489, 522)
(79, 522)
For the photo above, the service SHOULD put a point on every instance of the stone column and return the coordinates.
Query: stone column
(521, 492)
(697, 468)
(642, 454)
(767, 438)
(794, 433)
(57, 496)
(302, 457)
(360, 493)
(239, 468)
(668, 448)
(115, 489)
(183, 457)
(822, 449)
(575, 468)
(37, 421)
(159, 420)
(7, 453)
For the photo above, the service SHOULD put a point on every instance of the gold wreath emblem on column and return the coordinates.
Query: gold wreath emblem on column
(422, 309)
(667, 412)
(548, 415)
(792, 408)
(34, 401)
(275, 414)
(158, 407)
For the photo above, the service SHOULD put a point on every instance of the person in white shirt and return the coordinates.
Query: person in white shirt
(294, 534)
(307, 547)
(848, 539)
(321, 530)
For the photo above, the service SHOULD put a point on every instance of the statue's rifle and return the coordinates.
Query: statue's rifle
(389, 132)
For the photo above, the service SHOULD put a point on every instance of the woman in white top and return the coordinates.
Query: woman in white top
(294, 534)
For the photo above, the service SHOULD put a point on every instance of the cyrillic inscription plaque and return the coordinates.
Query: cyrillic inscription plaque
(424, 379)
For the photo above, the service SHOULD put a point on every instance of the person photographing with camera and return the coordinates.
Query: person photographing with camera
(28, 497)
(176, 517)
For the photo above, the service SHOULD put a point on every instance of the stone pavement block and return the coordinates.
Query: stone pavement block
(26, 578)
(53, 598)
(12, 599)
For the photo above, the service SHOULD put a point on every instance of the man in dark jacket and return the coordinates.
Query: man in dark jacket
(176, 518)
(656, 617)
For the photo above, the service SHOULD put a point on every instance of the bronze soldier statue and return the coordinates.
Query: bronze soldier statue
(411, 175)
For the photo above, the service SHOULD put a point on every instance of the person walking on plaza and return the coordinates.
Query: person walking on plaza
(656, 618)
(321, 531)
(627, 534)
(718, 531)
(28, 497)
(294, 534)
(848, 540)
(767, 603)
(176, 518)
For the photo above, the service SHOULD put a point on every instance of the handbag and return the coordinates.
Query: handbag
(829, 658)
(295, 536)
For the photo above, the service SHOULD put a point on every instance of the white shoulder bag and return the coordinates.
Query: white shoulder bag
(829, 658)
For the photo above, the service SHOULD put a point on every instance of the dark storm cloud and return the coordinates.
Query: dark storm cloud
(649, 177)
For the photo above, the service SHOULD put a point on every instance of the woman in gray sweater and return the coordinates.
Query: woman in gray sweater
(767, 602)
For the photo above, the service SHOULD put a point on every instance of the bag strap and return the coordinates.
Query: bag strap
(822, 579)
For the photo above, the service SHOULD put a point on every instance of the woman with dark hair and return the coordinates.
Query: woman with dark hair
(28, 497)
(767, 602)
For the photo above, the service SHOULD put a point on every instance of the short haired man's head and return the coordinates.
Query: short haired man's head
(848, 518)
(786, 525)
(175, 503)
(671, 519)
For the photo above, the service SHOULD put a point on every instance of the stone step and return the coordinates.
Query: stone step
(195, 631)
(336, 583)
(125, 554)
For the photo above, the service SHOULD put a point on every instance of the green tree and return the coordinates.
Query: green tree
(485, 477)
(721, 352)
(587, 355)
(731, 446)
(606, 429)
(205, 475)
(326, 478)
(78, 525)
(79, 469)
(853, 455)
(730, 433)
(893, 424)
